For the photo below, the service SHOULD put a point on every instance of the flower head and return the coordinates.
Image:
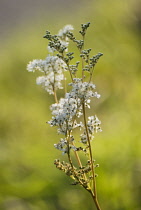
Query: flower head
(35, 65)
(53, 68)
(93, 124)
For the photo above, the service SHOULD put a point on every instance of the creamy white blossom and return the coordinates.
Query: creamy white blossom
(53, 68)
(83, 91)
(83, 138)
(63, 114)
(71, 106)
(93, 124)
(35, 65)
(64, 146)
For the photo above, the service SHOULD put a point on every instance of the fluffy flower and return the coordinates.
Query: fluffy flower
(83, 137)
(53, 67)
(35, 65)
(63, 114)
(63, 146)
(93, 124)
(71, 106)
(83, 91)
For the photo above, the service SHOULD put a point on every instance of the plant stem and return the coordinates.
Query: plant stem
(70, 72)
(95, 200)
(68, 152)
(83, 61)
(77, 157)
(91, 73)
(93, 192)
(55, 96)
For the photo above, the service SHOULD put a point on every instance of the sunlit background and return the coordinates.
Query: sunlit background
(28, 178)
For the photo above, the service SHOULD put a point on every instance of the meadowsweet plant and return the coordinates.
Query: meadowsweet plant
(69, 113)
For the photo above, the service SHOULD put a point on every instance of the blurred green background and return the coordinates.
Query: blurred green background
(28, 178)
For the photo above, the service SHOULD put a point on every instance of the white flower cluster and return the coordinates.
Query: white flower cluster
(70, 107)
(36, 65)
(63, 114)
(83, 91)
(53, 68)
(63, 145)
(93, 124)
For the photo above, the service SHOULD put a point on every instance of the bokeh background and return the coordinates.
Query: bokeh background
(28, 178)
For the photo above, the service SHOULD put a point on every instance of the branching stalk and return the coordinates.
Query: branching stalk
(67, 111)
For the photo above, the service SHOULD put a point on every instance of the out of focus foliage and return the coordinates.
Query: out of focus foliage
(28, 178)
